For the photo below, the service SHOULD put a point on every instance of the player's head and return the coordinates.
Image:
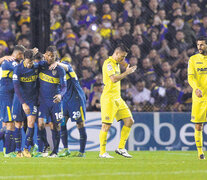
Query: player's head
(202, 44)
(28, 58)
(18, 52)
(120, 53)
(51, 54)
(38, 57)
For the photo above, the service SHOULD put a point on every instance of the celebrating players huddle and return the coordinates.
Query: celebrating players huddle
(32, 88)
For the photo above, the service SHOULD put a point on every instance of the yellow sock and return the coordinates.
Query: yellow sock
(199, 141)
(102, 139)
(124, 136)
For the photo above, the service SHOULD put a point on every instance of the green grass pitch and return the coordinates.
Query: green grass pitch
(156, 165)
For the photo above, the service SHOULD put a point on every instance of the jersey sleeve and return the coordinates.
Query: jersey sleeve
(109, 68)
(191, 74)
(63, 81)
(17, 86)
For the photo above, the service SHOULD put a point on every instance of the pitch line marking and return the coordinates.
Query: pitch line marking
(103, 174)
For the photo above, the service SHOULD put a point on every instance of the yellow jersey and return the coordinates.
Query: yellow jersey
(111, 67)
(197, 75)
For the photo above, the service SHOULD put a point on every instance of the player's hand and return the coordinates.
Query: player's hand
(35, 50)
(9, 58)
(130, 70)
(26, 108)
(57, 98)
(53, 66)
(198, 93)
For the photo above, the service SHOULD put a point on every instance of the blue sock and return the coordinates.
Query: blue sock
(83, 139)
(8, 139)
(39, 140)
(18, 138)
(56, 140)
(2, 133)
(29, 137)
(64, 136)
(42, 139)
(13, 144)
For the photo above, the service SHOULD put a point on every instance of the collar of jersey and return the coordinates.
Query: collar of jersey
(113, 60)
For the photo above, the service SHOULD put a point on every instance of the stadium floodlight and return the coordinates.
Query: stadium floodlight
(90, 0)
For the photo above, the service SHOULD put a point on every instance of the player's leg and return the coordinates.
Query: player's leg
(29, 135)
(41, 134)
(199, 139)
(108, 111)
(64, 137)
(124, 114)
(198, 116)
(2, 135)
(9, 142)
(56, 117)
(55, 128)
(18, 138)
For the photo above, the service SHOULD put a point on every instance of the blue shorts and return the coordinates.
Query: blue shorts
(50, 111)
(18, 112)
(6, 109)
(75, 109)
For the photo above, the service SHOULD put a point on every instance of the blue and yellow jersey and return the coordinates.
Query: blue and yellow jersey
(51, 82)
(25, 83)
(73, 86)
(197, 75)
(111, 67)
(6, 84)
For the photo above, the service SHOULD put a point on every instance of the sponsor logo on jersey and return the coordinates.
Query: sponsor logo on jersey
(201, 69)
(199, 62)
(28, 79)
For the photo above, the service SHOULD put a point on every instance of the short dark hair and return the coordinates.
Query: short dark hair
(202, 38)
(19, 48)
(51, 49)
(38, 56)
(28, 54)
(122, 48)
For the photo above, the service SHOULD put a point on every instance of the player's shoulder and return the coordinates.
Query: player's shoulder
(196, 57)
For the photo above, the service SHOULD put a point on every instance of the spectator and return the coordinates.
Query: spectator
(5, 32)
(142, 98)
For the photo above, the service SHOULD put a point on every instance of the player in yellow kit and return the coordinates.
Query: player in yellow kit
(112, 105)
(197, 78)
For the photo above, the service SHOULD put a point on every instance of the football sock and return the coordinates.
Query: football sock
(124, 136)
(64, 136)
(199, 141)
(2, 132)
(18, 138)
(56, 140)
(83, 139)
(42, 139)
(8, 139)
(13, 143)
(29, 137)
(102, 139)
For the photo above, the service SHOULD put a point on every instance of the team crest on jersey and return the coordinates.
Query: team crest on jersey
(36, 71)
(54, 72)
(107, 118)
(14, 116)
(109, 67)
(14, 77)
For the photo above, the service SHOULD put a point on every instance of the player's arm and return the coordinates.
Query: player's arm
(124, 64)
(115, 78)
(63, 86)
(55, 64)
(192, 80)
(7, 58)
(17, 86)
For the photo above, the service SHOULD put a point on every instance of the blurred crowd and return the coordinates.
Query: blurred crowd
(161, 36)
